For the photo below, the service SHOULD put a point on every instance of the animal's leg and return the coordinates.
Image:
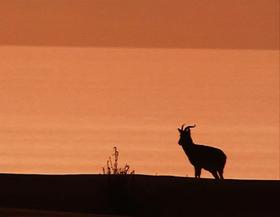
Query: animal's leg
(197, 172)
(215, 174)
(221, 173)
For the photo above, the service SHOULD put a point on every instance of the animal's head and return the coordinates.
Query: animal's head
(185, 135)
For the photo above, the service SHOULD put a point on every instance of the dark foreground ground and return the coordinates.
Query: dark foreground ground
(135, 195)
(13, 212)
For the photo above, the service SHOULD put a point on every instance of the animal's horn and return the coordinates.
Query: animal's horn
(188, 127)
(193, 126)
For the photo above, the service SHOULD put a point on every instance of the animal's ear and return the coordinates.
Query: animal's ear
(180, 131)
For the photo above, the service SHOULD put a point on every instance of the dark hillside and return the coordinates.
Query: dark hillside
(140, 195)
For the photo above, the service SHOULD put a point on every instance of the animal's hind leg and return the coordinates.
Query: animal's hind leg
(197, 172)
(215, 174)
(221, 174)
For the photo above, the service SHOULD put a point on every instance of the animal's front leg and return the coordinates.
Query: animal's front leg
(197, 172)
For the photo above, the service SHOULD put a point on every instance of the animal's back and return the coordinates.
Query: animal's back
(207, 157)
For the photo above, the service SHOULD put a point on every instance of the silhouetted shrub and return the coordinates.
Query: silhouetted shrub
(113, 168)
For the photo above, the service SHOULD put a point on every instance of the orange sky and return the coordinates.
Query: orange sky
(128, 73)
(63, 109)
(141, 23)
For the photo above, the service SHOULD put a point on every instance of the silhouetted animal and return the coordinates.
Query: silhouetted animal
(201, 156)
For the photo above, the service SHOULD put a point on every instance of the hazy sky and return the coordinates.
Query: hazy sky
(64, 109)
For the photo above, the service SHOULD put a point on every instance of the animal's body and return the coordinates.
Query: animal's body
(202, 156)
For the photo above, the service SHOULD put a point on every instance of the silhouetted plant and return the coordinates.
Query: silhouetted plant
(112, 166)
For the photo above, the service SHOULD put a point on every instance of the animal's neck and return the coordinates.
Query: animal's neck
(188, 150)
(188, 144)
(189, 141)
